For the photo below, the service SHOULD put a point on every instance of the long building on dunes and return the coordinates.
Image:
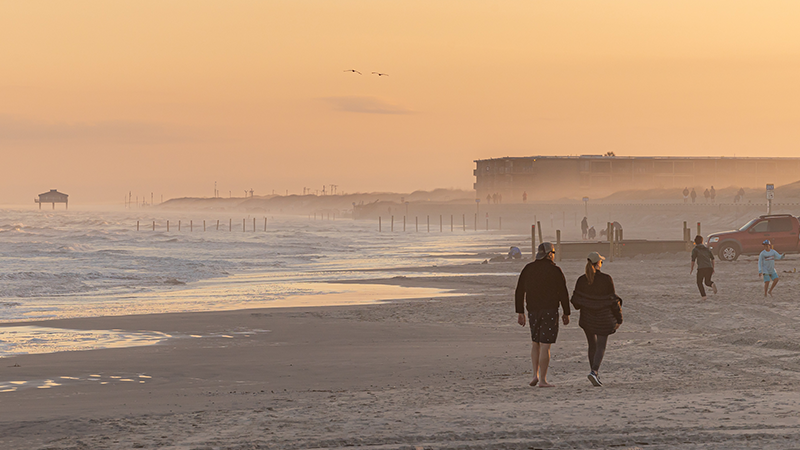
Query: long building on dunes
(550, 177)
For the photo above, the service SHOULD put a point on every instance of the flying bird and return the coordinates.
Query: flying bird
(354, 71)
(381, 74)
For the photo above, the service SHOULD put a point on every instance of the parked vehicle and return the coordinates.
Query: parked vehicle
(783, 230)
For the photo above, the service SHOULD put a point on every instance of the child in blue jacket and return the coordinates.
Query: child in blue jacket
(766, 266)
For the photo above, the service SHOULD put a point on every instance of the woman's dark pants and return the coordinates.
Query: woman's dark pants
(597, 349)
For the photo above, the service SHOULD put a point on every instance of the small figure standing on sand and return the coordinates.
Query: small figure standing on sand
(524, 196)
(601, 311)
(705, 266)
(685, 195)
(693, 195)
(766, 266)
(592, 233)
(712, 193)
(741, 194)
(584, 228)
(543, 286)
(706, 194)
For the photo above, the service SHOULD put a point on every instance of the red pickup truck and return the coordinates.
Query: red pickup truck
(783, 230)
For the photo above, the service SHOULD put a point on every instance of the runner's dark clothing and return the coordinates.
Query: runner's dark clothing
(704, 277)
(542, 286)
(703, 256)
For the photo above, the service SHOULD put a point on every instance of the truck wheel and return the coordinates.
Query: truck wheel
(728, 252)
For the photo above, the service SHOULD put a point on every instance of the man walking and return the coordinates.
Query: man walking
(584, 228)
(705, 266)
(542, 286)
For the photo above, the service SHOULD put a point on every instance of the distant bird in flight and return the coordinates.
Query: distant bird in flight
(381, 74)
(354, 71)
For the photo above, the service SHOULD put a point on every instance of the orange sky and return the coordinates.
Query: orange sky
(99, 98)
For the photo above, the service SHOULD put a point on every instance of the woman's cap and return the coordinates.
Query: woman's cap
(544, 249)
(595, 257)
(766, 242)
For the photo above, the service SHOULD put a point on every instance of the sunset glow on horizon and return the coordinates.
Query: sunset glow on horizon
(101, 98)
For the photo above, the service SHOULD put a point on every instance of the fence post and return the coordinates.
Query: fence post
(154, 225)
(217, 224)
(404, 224)
(137, 225)
(610, 236)
(254, 224)
(698, 229)
(168, 226)
(392, 229)
(204, 225)
(539, 227)
(191, 227)
(533, 241)
(558, 245)
(179, 225)
(379, 224)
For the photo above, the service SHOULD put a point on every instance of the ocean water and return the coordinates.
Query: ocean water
(60, 264)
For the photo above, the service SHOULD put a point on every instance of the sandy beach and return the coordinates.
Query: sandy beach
(433, 373)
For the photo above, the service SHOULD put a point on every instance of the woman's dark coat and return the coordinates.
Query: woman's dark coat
(600, 307)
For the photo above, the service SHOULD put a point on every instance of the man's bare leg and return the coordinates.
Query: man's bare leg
(535, 360)
(766, 286)
(774, 282)
(544, 363)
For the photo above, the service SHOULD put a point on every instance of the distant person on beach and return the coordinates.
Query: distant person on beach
(741, 194)
(524, 196)
(712, 193)
(706, 194)
(592, 233)
(766, 266)
(693, 195)
(601, 311)
(705, 266)
(514, 253)
(584, 228)
(685, 195)
(542, 287)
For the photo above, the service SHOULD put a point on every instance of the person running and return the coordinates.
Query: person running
(543, 287)
(601, 311)
(766, 266)
(693, 195)
(584, 228)
(705, 266)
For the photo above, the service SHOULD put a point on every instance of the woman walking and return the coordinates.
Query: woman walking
(601, 311)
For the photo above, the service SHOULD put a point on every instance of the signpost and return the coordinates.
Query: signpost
(770, 196)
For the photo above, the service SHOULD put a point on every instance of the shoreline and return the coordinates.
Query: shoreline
(436, 373)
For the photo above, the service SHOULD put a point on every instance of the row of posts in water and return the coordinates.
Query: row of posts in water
(191, 225)
(230, 223)
(441, 223)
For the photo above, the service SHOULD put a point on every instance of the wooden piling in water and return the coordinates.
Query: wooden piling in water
(379, 224)
(168, 226)
(265, 224)
(404, 224)
(154, 225)
(392, 229)
(190, 226)
(137, 225)
(217, 224)
(204, 225)
(179, 225)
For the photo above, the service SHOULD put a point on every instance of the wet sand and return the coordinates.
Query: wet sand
(434, 373)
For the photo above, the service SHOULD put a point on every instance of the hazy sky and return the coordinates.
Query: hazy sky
(98, 98)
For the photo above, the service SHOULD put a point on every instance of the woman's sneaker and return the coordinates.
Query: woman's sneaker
(593, 378)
